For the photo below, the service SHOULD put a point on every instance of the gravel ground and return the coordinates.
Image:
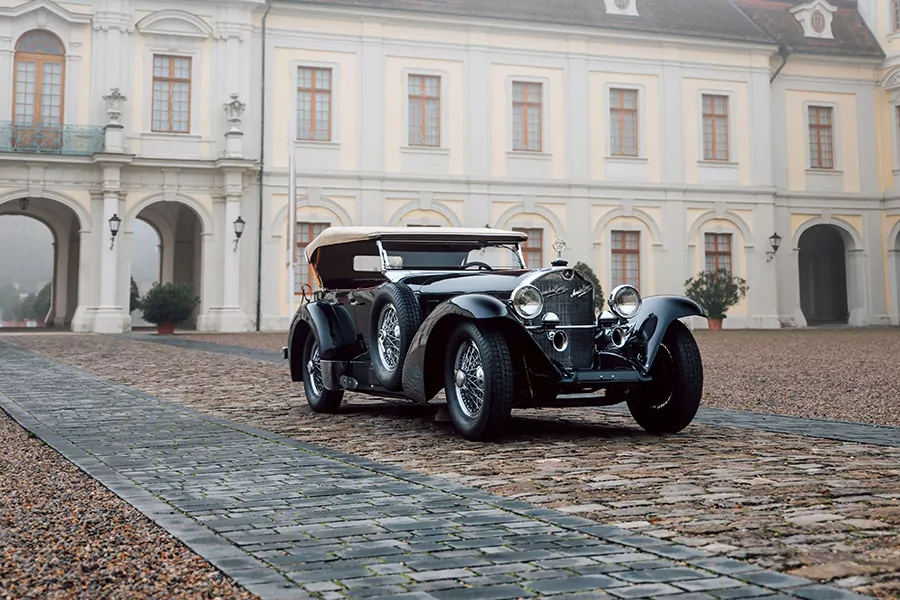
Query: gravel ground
(63, 535)
(841, 374)
(825, 510)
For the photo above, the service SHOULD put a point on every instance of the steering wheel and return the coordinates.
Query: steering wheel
(478, 264)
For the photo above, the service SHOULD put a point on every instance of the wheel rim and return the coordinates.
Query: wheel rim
(313, 366)
(663, 373)
(468, 377)
(389, 337)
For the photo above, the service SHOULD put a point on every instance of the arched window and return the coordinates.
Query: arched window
(40, 71)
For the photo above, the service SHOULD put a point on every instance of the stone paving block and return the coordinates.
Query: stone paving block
(743, 591)
(440, 574)
(646, 590)
(664, 575)
(574, 584)
(821, 592)
(713, 583)
(771, 579)
(722, 565)
(491, 592)
(385, 591)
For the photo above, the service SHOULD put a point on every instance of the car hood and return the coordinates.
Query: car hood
(442, 283)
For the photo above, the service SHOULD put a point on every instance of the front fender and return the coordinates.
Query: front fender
(468, 306)
(654, 317)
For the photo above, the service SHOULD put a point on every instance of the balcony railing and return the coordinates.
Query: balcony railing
(67, 140)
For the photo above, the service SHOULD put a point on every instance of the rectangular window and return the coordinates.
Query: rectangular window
(718, 251)
(821, 137)
(623, 128)
(306, 232)
(895, 14)
(314, 104)
(424, 110)
(715, 127)
(527, 116)
(626, 258)
(533, 249)
(171, 94)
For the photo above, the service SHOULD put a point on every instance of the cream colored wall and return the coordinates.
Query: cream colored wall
(738, 125)
(846, 136)
(344, 96)
(554, 115)
(452, 107)
(649, 127)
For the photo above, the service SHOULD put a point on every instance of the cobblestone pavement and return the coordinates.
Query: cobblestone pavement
(785, 372)
(826, 510)
(835, 430)
(287, 519)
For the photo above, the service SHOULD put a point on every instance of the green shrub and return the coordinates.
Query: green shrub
(598, 289)
(716, 291)
(135, 302)
(169, 303)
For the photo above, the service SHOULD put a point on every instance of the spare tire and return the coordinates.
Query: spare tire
(395, 319)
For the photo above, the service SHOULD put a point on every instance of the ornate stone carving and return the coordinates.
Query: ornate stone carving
(233, 111)
(114, 100)
(891, 80)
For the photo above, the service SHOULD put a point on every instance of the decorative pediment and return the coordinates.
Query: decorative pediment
(176, 23)
(891, 81)
(626, 8)
(815, 17)
(43, 8)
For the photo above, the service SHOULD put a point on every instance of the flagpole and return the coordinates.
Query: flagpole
(292, 208)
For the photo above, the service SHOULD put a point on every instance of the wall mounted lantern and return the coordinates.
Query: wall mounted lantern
(775, 242)
(114, 222)
(238, 231)
(23, 203)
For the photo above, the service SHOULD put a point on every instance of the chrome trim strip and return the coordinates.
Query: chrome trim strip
(542, 328)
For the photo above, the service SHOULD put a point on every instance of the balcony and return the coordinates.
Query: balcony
(65, 140)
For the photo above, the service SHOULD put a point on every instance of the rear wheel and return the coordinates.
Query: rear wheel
(669, 403)
(395, 320)
(321, 400)
(479, 382)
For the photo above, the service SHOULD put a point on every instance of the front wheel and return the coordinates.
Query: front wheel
(320, 399)
(479, 382)
(669, 403)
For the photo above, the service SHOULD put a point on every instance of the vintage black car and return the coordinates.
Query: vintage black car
(408, 312)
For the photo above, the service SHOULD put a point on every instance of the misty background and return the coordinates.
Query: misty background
(26, 255)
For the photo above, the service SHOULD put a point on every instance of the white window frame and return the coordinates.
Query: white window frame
(641, 120)
(732, 125)
(444, 106)
(836, 136)
(197, 66)
(545, 112)
(335, 67)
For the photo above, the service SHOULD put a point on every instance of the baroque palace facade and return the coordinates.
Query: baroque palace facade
(657, 137)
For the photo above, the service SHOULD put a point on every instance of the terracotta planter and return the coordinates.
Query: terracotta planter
(165, 328)
(715, 324)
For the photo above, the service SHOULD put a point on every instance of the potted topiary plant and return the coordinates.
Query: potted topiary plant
(716, 292)
(167, 305)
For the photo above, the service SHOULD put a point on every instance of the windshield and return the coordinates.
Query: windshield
(451, 255)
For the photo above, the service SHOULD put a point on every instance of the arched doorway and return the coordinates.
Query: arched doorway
(146, 264)
(178, 231)
(823, 276)
(40, 254)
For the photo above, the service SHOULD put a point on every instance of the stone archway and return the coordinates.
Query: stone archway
(64, 225)
(180, 231)
(823, 266)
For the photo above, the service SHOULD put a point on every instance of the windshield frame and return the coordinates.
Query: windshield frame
(514, 247)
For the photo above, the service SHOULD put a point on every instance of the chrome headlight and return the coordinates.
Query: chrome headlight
(528, 301)
(624, 301)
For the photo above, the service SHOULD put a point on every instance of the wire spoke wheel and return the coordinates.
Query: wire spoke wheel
(469, 379)
(315, 372)
(389, 337)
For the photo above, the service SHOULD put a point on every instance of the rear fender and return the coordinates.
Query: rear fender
(423, 374)
(334, 329)
(654, 317)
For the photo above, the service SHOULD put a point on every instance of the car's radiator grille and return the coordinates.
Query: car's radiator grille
(567, 298)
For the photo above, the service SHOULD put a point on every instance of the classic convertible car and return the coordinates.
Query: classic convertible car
(408, 312)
